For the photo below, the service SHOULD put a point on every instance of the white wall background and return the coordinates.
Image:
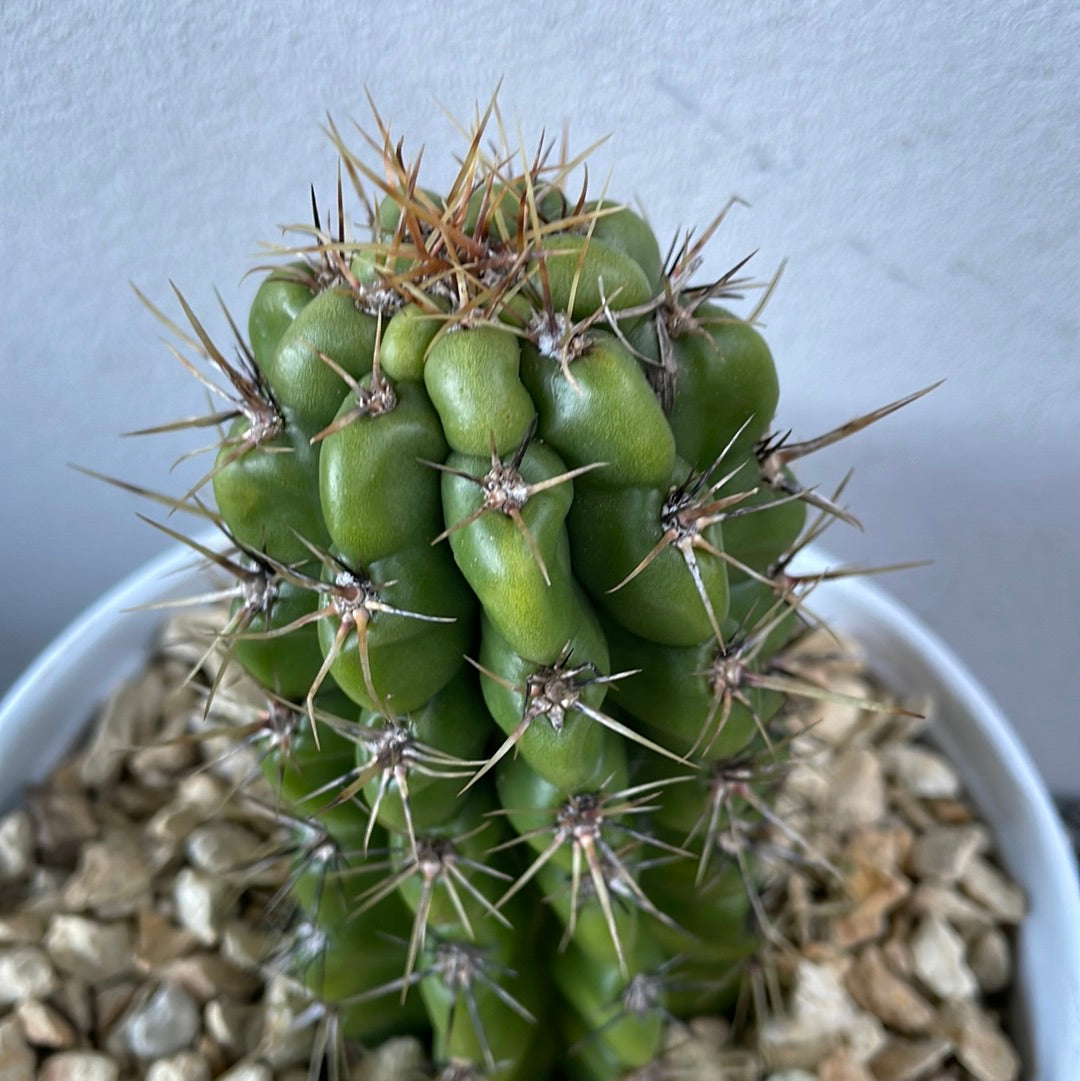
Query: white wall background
(916, 163)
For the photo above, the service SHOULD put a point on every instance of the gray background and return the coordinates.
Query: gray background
(915, 163)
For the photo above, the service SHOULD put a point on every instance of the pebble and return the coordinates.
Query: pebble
(836, 722)
(986, 884)
(896, 950)
(111, 1000)
(806, 782)
(944, 853)
(44, 891)
(244, 945)
(726, 1064)
(79, 1066)
(229, 1023)
(16, 845)
(83, 947)
(206, 974)
(170, 826)
(877, 892)
(222, 848)
(981, 1046)
(921, 771)
(990, 958)
(283, 1041)
(118, 729)
(819, 1000)
(112, 878)
(167, 1023)
(909, 1060)
(786, 1044)
(44, 1025)
(63, 821)
(701, 1053)
(17, 1061)
(884, 847)
(937, 955)
(394, 1060)
(186, 1066)
(21, 928)
(857, 789)
(128, 804)
(821, 1014)
(866, 1036)
(159, 941)
(248, 1071)
(962, 912)
(25, 973)
(842, 1065)
(156, 765)
(73, 996)
(886, 996)
(202, 791)
(202, 903)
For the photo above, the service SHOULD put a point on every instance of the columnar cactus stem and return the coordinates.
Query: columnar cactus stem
(521, 808)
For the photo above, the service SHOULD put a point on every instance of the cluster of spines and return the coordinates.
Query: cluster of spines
(511, 538)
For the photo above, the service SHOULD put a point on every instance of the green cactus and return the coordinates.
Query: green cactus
(511, 539)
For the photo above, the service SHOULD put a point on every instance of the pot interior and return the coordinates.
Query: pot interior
(48, 708)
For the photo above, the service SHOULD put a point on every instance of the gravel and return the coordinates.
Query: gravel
(135, 919)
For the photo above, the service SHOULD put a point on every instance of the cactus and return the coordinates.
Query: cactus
(511, 536)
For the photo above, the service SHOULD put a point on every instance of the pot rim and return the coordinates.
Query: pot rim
(80, 666)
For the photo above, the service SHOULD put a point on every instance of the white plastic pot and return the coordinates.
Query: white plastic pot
(46, 709)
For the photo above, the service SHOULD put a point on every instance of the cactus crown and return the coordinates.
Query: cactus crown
(511, 538)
